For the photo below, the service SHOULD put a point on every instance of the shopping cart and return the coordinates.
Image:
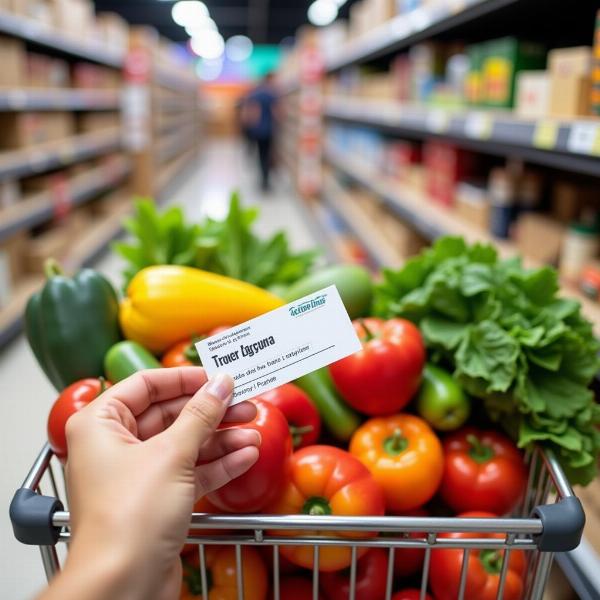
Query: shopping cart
(550, 519)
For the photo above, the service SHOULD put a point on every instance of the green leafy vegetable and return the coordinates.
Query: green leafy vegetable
(528, 354)
(228, 247)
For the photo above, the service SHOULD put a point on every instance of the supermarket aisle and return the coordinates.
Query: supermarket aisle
(24, 392)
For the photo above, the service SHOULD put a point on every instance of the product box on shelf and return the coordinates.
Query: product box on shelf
(539, 237)
(427, 68)
(43, 71)
(13, 54)
(360, 19)
(474, 79)
(88, 76)
(21, 130)
(73, 17)
(473, 204)
(10, 193)
(445, 166)
(97, 121)
(503, 59)
(38, 10)
(113, 30)
(570, 81)
(11, 265)
(595, 93)
(400, 72)
(399, 157)
(402, 238)
(53, 243)
(533, 94)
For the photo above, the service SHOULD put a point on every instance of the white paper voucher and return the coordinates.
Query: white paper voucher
(281, 345)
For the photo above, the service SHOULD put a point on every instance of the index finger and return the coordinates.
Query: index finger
(147, 387)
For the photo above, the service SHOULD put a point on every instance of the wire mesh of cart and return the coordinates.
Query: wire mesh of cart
(549, 519)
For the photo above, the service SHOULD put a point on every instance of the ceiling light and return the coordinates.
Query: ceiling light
(186, 12)
(209, 45)
(209, 70)
(322, 12)
(239, 48)
(198, 27)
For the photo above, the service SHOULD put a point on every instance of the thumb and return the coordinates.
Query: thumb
(201, 416)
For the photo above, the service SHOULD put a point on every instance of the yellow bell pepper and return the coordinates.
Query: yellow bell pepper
(165, 304)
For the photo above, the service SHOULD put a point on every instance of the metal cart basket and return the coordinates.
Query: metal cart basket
(550, 519)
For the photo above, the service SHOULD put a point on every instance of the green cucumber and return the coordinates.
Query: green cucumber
(337, 416)
(125, 359)
(353, 282)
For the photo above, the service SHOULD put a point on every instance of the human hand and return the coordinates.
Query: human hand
(132, 475)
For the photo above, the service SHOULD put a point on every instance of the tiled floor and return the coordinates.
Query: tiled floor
(25, 395)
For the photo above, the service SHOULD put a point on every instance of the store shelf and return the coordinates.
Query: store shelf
(433, 220)
(83, 252)
(379, 250)
(175, 144)
(42, 207)
(572, 145)
(53, 155)
(68, 99)
(43, 36)
(171, 172)
(410, 28)
(176, 82)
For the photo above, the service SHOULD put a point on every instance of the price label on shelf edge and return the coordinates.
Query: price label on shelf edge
(479, 125)
(584, 138)
(545, 134)
(438, 121)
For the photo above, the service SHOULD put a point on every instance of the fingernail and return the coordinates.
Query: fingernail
(257, 437)
(220, 386)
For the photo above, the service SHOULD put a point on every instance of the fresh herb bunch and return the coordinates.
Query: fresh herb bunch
(528, 354)
(228, 247)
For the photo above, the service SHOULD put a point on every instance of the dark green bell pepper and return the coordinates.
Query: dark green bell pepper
(71, 324)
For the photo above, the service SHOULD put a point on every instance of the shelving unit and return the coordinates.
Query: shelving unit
(432, 220)
(41, 36)
(572, 145)
(20, 100)
(98, 163)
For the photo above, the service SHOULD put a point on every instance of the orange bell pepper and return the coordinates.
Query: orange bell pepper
(404, 456)
(327, 481)
(221, 575)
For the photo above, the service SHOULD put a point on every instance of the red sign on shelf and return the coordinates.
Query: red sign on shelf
(60, 193)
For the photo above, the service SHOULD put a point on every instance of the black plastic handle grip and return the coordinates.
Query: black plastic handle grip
(31, 516)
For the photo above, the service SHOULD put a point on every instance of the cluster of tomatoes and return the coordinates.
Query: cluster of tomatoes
(393, 464)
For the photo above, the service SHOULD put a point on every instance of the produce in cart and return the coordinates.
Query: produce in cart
(483, 470)
(370, 583)
(302, 416)
(325, 480)
(483, 568)
(510, 341)
(221, 575)
(69, 401)
(404, 456)
(381, 378)
(71, 323)
(262, 483)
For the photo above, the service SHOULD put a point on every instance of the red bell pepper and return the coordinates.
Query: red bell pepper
(483, 470)
(301, 414)
(483, 569)
(381, 378)
(327, 481)
(371, 578)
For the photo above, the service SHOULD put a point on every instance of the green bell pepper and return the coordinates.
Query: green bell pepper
(71, 324)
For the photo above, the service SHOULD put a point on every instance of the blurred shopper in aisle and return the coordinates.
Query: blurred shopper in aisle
(258, 119)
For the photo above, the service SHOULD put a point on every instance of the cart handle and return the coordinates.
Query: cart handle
(38, 520)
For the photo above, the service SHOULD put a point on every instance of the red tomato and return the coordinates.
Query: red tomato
(409, 594)
(301, 414)
(483, 569)
(381, 378)
(184, 354)
(70, 400)
(408, 561)
(262, 483)
(296, 588)
(483, 470)
(371, 578)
